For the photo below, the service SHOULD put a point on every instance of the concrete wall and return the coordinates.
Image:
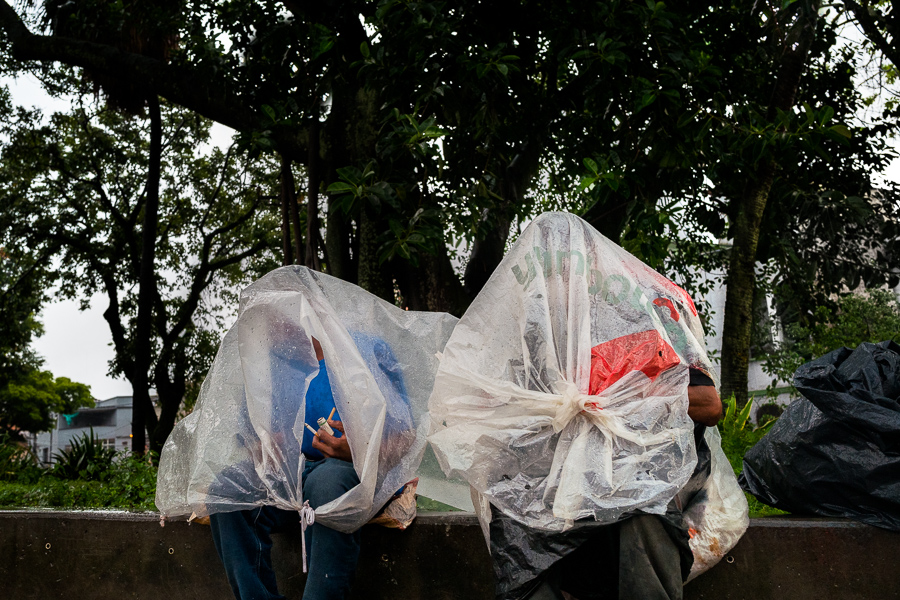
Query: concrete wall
(105, 555)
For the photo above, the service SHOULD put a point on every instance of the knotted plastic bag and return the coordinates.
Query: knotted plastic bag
(541, 429)
(240, 447)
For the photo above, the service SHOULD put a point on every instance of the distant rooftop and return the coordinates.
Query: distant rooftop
(119, 401)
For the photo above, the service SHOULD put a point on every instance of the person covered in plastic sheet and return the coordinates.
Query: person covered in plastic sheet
(243, 538)
(643, 556)
(573, 397)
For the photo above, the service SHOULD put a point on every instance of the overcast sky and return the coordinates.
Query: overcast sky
(77, 344)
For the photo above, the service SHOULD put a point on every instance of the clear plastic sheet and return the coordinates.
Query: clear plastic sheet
(240, 447)
(717, 516)
(511, 409)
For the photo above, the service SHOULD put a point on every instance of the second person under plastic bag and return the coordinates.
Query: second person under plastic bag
(562, 399)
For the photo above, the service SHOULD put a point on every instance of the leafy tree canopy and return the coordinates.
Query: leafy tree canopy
(435, 128)
(32, 401)
(75, 187)
(28, 394)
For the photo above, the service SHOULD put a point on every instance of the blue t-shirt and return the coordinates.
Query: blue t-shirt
(384, 368)
(319, 402)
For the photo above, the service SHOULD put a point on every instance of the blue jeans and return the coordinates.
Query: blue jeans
(244, 543)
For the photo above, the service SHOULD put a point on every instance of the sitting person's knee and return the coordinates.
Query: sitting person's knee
(329, 481)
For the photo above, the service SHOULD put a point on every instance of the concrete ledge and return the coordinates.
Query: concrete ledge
(113, 555)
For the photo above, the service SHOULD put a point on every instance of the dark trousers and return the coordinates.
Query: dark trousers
(632, 560)
(243, 540)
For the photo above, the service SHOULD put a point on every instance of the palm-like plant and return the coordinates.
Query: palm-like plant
(86, 459)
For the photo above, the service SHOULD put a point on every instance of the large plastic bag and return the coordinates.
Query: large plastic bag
(717, 515)
(510, 408)
(240, 447)
(836, 451)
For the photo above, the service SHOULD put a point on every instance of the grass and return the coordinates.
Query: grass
(428, 505)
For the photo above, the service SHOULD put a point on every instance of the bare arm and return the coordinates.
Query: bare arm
(704, 405)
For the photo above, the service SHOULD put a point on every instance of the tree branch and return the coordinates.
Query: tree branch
(200, 90)
(870, 28)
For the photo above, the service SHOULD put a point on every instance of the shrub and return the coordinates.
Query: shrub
(738, 436)
(130, 483)
(87, 459)
(133, 480)
(17, 461)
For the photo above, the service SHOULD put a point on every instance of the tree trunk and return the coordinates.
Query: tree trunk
(433, 285)
(290, 191)
(487, 252)
(337, 245)
(313, 168)
(489, 248)
(372, 277)
(289, 195)
(170, 391)
(738, 318)
(143, 414)
(741, 280)
(286, 254)
(348, 138)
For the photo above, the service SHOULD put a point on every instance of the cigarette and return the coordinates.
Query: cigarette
(314, 432)
(331, 414)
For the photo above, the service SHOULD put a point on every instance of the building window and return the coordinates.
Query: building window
(109, 444)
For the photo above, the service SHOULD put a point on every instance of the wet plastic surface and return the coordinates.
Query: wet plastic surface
(836, 451)
(561, 397)
(240, 448)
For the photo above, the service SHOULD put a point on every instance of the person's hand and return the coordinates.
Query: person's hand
(331, 446)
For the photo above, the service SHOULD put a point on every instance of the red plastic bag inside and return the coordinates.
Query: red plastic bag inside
(645, 351)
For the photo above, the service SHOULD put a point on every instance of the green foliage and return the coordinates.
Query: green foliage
(17, 461)
(28, 395)
(133, 482)
(444, 125)
(50, 492)
(85, 477)
(427, 504)
(24, 279)
(738, 436)
(870, 316)
(828, 224)
(129, 482)
(28, 402)
(87, 460)
(73, 188)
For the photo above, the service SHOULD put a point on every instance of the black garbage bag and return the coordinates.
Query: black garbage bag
(836, 451)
